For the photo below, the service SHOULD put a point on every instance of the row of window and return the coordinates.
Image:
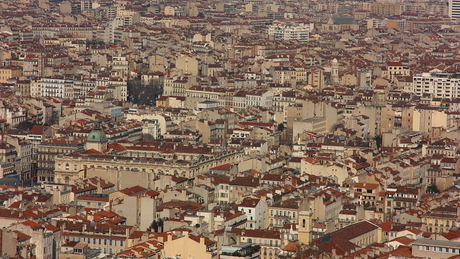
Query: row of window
(263, 242)
(439, 249)
(98, 241)
(282, 213)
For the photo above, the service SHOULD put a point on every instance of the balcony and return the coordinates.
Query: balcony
(281, 216)
(346, 220)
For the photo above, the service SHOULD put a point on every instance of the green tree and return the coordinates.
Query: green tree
(378, 141)
(432, 188)
(153, 226)
(161, 225)
(281, 127)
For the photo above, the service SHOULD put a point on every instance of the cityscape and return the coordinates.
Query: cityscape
(250, 129)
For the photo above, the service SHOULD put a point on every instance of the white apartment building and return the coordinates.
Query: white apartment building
(255, 212)
(55, 87)
(454, 9)
(298, 32)
(437, 83)
(259, 98)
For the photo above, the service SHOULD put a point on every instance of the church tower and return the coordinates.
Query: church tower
(304, 228)
(97, 139)
(335, 71)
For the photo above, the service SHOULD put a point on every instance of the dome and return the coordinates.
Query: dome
(97, 136)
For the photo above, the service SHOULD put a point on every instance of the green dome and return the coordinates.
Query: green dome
(97, 136)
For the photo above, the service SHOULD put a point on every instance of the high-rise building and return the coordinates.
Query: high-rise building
(438, 84)
(298, 32)
(454, 9)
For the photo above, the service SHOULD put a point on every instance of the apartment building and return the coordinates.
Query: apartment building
(435, 249)
(8, 72)
(438, 84)
(299, 32)
(108, 238)
(283, 212)
(56, 86)
(441, 219)
(395, 69)
(190, 246)
(49, 149)
(255, 212)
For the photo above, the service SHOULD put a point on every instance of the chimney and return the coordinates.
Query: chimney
(145, 237)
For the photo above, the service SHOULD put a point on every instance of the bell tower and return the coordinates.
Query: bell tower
(305, 227)
(335, 71)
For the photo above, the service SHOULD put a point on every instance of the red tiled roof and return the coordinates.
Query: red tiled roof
(402, 240)
(31, 224)
(38, 130)
(133, 190)
(21, 236)
(339, 240)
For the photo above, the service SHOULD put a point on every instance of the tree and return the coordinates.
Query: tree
(378, 141)
(281, 127)
(153, 226)
(432, 188)
(161, 224)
